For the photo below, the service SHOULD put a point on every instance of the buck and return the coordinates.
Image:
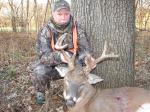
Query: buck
(81, 96)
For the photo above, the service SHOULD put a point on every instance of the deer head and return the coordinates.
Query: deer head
(76, 78)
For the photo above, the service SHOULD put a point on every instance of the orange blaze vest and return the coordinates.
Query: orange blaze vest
(75, 40)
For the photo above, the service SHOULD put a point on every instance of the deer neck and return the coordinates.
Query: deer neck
(86, 96)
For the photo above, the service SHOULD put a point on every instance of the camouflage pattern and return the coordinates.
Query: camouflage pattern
(44, 69)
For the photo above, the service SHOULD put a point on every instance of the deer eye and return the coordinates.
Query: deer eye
(82, 84)
(81, 87)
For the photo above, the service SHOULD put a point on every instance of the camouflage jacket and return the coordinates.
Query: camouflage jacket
(43, 46)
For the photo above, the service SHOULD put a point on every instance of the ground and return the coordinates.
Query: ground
(142, 59)
(17, 93)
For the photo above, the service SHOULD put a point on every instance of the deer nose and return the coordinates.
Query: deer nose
(70, 102)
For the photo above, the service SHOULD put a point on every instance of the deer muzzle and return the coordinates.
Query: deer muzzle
(70, 94)
(70, 103)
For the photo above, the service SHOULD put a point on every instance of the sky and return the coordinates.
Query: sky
(38, 1)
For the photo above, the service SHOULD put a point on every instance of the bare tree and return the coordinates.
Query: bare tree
(114, 21)
(142, 14)
(148, 16)
(1, 5)
(46, 9)
(27, 17)
(13, 15)
(22, 23)
(36, 14)
(136, 4)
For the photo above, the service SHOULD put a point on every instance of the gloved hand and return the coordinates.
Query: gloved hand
(40, 99)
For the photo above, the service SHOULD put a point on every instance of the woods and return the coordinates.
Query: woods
(24, 15)
(32, 14)
(124, 24)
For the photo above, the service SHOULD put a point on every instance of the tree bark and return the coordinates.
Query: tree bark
(13, 16)
(23, 23)
(27, 17)
(114, 21)
(46, 10)
(36, 15)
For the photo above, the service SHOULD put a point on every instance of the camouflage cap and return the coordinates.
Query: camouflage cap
(60, 4)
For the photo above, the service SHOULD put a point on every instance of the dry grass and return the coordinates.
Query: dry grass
(142, 59)
(17, 93)
(15, 46)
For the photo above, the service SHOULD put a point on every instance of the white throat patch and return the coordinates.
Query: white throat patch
(144, 108)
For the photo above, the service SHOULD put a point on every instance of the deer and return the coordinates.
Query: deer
(80, 95)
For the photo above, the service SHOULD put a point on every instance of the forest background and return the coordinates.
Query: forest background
(20, 22)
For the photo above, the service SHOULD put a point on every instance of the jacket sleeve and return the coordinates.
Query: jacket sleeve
(83, 44)
(44, 50)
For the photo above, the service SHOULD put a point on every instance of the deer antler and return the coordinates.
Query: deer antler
(105, 56)
(89, 62)
(70, 60)
(59, 46)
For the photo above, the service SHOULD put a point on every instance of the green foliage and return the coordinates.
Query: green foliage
(11, 72)
(8, 73)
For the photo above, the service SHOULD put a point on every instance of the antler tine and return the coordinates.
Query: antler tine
(105, 56)
(67, 58)
(90, 63)
(59, 45)
(70, 60)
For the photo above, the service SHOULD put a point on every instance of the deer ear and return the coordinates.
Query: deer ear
(93, 79)
(62, 70)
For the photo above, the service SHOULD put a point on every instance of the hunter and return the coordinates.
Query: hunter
(60, 23)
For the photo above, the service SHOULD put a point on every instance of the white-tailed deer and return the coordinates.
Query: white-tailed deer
(81, 96)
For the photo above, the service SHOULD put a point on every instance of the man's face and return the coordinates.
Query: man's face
(61, 16)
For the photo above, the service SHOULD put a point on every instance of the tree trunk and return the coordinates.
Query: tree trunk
(23, 24)
(27, 17)
(13, 16)
(36, 15)
(46, 9)
(111, 20)
(146, 20)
